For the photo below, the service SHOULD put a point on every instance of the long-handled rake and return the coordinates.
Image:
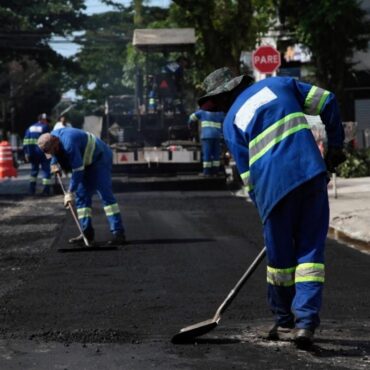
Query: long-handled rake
(73, 212)
(188, 333)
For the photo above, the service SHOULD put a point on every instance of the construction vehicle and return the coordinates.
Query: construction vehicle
(148, 131)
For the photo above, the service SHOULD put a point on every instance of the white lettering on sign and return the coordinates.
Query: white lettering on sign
(266, 59)
(246, 113)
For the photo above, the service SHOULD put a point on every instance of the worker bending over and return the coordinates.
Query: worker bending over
(90, 161)
(281, 166)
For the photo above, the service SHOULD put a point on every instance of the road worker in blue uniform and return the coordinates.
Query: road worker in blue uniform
(90, 161)
(35, 156)
(281, 166)
(210, 136)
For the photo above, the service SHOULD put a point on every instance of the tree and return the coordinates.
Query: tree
(25, 29)
(27, 26)
(332, 30)
(224, 28)
(107, 59)
(102, 55)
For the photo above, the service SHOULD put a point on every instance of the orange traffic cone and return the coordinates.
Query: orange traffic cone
(7, 168)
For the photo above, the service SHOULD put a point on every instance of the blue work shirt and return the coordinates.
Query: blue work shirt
(211, 123)
(31, 136)
(78, 150)
(268, 135)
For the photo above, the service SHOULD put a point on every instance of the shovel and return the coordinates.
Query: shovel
(188, 333)
(73, 212)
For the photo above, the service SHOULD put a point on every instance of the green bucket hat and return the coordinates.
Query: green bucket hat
(220, 81)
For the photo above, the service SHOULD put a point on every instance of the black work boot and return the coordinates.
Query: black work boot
(303, 338)
(118, 239)
(46, 192)
(278, 332)
(79, 240)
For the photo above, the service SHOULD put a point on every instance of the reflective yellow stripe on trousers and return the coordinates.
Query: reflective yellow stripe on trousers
(280, 277)
(112, 209)
(303, 273)
(84, 212)
(310, 272)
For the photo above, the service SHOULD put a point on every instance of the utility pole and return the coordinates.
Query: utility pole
(138, 6)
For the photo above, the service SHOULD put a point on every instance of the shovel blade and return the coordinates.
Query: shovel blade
(188, 333)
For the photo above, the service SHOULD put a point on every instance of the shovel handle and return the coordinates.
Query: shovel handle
(233, 292)
(73, 212)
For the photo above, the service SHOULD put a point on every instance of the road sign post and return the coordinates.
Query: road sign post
(266, 59)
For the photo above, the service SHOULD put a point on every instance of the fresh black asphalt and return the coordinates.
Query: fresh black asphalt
(118, 308)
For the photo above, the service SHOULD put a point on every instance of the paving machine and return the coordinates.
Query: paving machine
(148, 131)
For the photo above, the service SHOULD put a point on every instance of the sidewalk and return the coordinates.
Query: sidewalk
(350, 211)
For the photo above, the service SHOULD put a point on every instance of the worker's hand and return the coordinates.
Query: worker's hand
(333, 158)
(55, 169)
(26, 159)
(68, 199)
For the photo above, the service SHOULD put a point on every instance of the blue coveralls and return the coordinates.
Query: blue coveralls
(90, 161)
(37, 157)
(281, 167)
(211, 133)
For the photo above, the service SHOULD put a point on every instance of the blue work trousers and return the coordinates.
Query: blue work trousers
(36, 163)
(98, 179)
(295, 234)
(211, 151)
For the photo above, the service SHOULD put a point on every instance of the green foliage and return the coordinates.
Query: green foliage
(224, 28)
(32, 74)
(26, 26)
(332, 30)
(102, 55)
(107, 59)
(357, 164)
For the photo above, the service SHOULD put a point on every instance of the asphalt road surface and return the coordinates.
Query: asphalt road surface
(71, 308)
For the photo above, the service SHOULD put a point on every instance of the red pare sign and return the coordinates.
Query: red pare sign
(266, 59)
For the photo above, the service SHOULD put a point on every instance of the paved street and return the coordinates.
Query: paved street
(184, 110)
(118, 309)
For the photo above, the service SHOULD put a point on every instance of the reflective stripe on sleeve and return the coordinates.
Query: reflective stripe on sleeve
(89, 150)
(280, 277)
(315, 100)
(193, 117)
(274, 134)
(112, 209)
(310, 272)
(84, 213)
(245, 176)
(78, 169)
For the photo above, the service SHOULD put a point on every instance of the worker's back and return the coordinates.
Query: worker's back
(267, 119)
